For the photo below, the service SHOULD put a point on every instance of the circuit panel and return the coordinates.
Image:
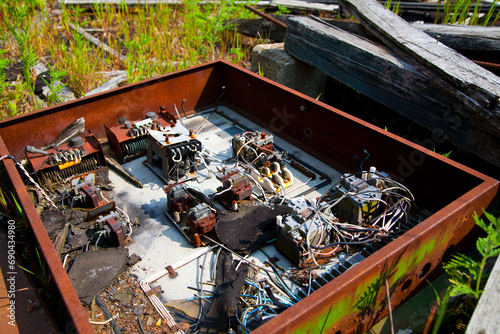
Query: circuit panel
(220, 198)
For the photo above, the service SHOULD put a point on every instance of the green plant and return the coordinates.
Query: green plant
(282, 10)
(393, 7)
(19, 30)
(55, 85)
(467, 275)
(42, 274)
(459, 12)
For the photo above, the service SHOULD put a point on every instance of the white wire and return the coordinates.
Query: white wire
(127, 218)
(223, 191)
(31, 179)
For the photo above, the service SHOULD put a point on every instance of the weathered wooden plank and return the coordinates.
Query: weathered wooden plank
(64, 94)
(108, 85)
(395, 81)
(300, 5)
(462, 37)
(98, 43)
(457, 37)
(480, 88)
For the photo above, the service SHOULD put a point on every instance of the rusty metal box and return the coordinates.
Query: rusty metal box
(451, 191)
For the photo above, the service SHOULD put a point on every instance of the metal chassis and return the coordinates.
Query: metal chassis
(355, 300)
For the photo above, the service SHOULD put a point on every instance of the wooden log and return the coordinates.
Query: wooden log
(479, 87)
(462, 37)
(298, 5)
(396, 81)
(457, 37)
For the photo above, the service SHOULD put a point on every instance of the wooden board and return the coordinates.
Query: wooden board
(461, 37)
(396, 81)
(480, 88)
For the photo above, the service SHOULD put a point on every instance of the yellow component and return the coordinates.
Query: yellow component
(368, 208)
(158, 323)
(288, 184)
(69, 164)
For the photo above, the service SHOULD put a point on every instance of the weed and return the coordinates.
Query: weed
(282, 10)
(261, 71)
(42, 274)
(55, 85)
(446, 154)
(467, 275)
(459, 12)
(393, 7)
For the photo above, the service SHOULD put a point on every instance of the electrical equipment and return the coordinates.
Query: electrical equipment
(175, 149)
(81, 156)
(257, 149)
(190, 212)
(86, 194)
(129, 140)
(358, 199)
(115, 230)
(235, 188)
(201, 219)
(297, 232)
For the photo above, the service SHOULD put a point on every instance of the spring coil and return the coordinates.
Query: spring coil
(136, 147)
(87, 165)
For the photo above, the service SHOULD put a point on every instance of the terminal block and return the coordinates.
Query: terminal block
(56, 165)
(190, 215)
(257, 149)
(129, 139)
(175, 150)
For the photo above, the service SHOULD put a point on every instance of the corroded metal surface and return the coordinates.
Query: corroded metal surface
(353, 301)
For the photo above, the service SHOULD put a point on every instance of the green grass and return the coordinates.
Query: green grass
(155, 39)
(459, 12)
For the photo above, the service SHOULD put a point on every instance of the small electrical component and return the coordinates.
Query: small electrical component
(55, 165)
(175, 149)
(115, 230)
(235, 188)
(358, 199)
(257, 150)
(356, 211)
(201, 219)
(190, 212)
(128, 140)
(298, 231)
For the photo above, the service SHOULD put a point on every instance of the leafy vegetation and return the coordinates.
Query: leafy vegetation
(459, 12)
(468, 278)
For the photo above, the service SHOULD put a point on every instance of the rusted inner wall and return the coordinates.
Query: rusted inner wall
(199, 86)
(353, 301)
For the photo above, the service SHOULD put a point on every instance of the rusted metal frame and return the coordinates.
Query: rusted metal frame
(331, 135)
(332, 307)
(265, 16)
(199, 86)
(482, 186)
(80, 322)
(492, 67)
(245, 89)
